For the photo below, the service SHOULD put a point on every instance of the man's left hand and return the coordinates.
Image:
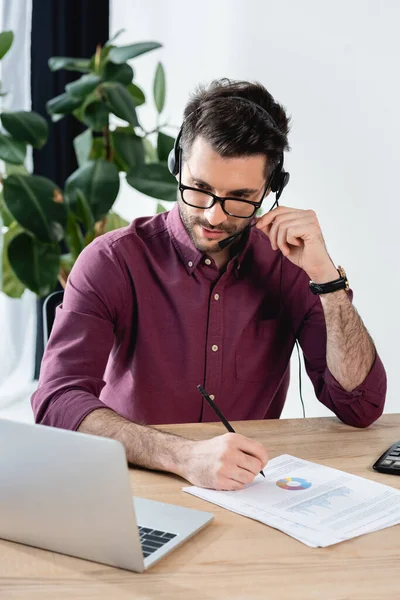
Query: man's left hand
(297, 234)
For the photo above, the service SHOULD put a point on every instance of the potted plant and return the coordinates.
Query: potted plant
(42, 218)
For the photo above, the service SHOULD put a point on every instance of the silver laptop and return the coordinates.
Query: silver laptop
(70, 492)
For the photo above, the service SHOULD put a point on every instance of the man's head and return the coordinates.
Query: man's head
(229, 148)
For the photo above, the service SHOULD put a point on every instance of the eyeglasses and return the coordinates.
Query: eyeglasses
(241, 209)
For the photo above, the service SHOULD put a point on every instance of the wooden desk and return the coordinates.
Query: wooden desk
(235, 557)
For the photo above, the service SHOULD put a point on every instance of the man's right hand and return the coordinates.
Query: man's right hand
(227, 462)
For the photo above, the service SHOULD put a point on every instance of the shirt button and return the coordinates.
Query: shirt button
(207, 261)
(212, 397)
(190, 263)
(216, 296)
(214, 348)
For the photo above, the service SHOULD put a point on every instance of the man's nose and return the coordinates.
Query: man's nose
(215, 215)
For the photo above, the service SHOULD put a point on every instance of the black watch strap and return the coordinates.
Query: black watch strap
(331, 286)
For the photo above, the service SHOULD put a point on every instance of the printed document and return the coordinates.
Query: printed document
(317, 505)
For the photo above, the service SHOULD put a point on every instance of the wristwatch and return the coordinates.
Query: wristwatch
(331, 286)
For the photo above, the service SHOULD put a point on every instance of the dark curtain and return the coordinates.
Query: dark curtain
(60, 28)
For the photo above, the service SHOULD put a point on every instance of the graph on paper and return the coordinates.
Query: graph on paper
(325, 501)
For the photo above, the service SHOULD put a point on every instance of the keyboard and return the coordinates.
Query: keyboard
(389, 462)
(153, 539)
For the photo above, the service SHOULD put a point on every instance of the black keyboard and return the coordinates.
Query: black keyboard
(153, 539)
(389, 462)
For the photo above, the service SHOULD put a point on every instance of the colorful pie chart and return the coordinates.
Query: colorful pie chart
(293, 483)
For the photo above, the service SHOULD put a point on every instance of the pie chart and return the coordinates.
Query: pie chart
(293, 483)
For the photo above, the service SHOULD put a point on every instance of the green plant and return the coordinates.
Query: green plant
(39, 215)
(21, 129)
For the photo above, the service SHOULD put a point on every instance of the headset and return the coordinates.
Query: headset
(278, 181)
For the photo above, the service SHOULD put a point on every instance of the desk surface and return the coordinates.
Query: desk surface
(236, 557)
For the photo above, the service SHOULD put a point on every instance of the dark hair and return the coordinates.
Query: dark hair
(235, 128)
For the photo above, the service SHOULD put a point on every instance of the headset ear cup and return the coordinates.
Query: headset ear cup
(286, 177)
(279, 181)
(172, 162)
(173, 156)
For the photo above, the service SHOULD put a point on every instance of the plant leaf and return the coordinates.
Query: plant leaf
(83, 86)
(123, 53)
(155, 180)
(62, 104)
(11, 150)
(6, 40)
(70, 64)
(34, 263)
(114, 37)
(74, 237)
(5, 214)
(103, 60)
(128, 147)
(99, 182)
(95, 115)
(160, 208)
(137, 94)
(80, 110)
(83, 211)
(98, 148)
(10, 284)
(165, 143)
(114, 221)
(150, 153)
(120, 102)
(37, 204)
(122, 73)
(82, 146)
(159, 88)
(16, 169)
(24, 126)
(66, 263)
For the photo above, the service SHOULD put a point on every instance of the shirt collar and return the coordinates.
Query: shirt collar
(188, 252)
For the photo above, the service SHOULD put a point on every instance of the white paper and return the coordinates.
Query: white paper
(317, 505)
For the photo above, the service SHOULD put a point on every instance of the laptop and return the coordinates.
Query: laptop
(70, 492)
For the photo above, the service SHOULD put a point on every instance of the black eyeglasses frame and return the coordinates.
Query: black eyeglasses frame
(216, 198)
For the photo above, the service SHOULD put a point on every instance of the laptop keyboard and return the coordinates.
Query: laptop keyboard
(153, 539)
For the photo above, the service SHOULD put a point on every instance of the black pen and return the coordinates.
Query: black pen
(217, 411)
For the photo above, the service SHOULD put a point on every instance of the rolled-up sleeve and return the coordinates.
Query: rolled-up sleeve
(76, 355)
(365, 403)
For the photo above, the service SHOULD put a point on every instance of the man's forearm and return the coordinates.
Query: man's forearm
(350, 351)
(145, 446)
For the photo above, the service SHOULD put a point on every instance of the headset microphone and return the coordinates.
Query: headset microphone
(224, 243)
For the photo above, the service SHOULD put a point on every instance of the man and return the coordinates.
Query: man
(154, 309)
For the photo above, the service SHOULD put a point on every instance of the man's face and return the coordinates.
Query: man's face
(242, 178)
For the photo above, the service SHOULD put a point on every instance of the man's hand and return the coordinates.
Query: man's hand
(226, 462)
(297, 234)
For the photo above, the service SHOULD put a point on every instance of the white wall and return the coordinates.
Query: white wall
(334, 65)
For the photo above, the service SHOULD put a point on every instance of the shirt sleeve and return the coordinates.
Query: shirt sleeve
(364, 404)
(76, 355)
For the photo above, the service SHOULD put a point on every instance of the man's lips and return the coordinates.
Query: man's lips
(211, 233)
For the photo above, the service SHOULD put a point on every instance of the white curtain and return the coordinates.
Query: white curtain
(17, 316)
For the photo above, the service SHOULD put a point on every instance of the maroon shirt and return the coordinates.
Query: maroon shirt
(146, 317)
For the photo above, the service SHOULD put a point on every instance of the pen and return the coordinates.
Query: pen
(218, 412)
